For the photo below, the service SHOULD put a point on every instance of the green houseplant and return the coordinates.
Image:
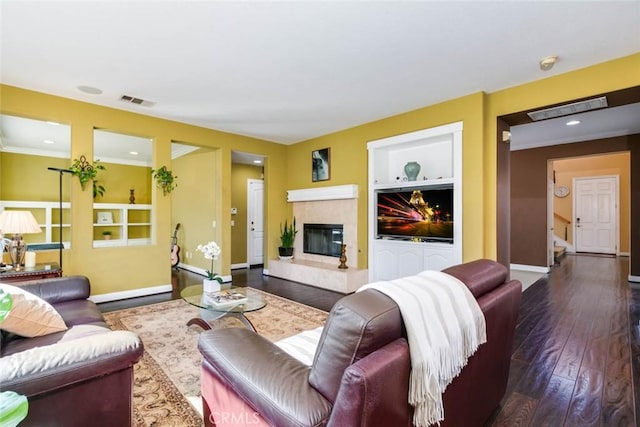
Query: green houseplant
(86, 172)
(106, 234)
(165, 179)
(287, 236)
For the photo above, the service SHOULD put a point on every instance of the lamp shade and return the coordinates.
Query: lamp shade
(18, 222)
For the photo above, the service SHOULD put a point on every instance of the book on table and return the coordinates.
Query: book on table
(226, 298)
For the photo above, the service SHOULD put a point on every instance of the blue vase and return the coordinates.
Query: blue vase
(412, 169)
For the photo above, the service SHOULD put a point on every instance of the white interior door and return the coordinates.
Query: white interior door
(255, 221)
(596, 214)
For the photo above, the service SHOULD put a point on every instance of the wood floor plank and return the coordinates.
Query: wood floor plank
(585, 409)
(552, 407)
(517, 412)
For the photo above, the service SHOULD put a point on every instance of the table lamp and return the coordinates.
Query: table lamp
(18, 223)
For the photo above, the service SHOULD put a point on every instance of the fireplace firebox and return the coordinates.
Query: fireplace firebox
(322, 239)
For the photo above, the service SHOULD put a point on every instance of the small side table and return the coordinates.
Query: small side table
(40, 271)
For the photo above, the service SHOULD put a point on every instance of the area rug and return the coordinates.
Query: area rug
(166, 389)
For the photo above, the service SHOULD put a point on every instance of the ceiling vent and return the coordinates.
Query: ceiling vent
(568, 109)
(137, 101)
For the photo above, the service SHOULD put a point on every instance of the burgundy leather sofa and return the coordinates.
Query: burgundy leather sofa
(92, 387)
(360, 372)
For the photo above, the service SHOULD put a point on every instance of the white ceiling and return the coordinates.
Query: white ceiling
(290, 71)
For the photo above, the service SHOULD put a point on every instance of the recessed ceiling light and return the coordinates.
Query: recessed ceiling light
(90, 90)
(48, 141)
(135, 153)
(257, 162)
(573, 122)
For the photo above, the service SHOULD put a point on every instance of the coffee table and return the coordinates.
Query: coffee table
(194, 295)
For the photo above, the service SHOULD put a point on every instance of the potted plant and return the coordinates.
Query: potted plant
(165, 179)
(287, 236)
(211, 252)
(106, 234)
(86, 172)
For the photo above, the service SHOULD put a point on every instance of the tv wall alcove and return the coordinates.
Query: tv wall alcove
(415, 222)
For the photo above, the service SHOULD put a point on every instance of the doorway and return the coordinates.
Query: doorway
(247, 209)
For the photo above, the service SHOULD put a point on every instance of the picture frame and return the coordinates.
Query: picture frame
(105, 218)
(321, 165)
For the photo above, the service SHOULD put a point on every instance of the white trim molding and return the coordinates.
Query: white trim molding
(134, 293)
(635, 279)
(532, 268)
(201, 271)
(239, 266)
(335, 192)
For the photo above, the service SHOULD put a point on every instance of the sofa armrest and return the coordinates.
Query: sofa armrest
(374, 390)
(271, 381)
(43, 369)
(59, 289)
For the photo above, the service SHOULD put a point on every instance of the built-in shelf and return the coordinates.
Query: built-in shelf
(48, 216)
(438, 151)
(129, 224)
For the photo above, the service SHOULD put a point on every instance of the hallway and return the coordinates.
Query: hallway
(576, 348)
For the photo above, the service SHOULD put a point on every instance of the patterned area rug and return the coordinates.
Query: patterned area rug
(166, 388)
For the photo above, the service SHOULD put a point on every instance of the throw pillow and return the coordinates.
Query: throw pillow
(30, 316)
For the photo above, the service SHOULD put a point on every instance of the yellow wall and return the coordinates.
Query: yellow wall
(26, 177)
(127, 268)
(289, 167)
(611, 164)
(240, 173)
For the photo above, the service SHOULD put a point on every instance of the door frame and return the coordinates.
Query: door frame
(617, 207)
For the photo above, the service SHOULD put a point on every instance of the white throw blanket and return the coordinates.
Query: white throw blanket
(444, 327)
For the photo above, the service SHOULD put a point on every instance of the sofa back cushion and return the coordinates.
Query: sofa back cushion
(358, 325)
(480, 276)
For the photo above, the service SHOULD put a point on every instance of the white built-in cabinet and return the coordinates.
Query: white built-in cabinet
(439, 152)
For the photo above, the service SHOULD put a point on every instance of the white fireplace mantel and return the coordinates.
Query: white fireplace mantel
(335, 192)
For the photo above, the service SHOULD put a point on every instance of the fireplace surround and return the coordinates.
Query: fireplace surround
(324, 205)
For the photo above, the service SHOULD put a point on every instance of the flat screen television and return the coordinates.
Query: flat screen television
(424, 214)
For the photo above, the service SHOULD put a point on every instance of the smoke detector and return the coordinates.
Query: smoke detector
(568, 109)
(548, 62)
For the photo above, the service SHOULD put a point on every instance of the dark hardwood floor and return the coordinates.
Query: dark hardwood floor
(576, 354)
(575, 348)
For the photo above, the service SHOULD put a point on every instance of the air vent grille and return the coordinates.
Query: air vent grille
(137, 101)
(568, 109)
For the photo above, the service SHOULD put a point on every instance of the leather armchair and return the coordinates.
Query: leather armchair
(360, 372)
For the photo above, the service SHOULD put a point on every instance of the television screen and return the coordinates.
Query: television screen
(425, 214)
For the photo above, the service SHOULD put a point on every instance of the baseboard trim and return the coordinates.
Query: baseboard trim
(625, 254)
(634, 279)
(265, 271)
(133, 293)
(532, 268)
(201, 271)
(239, 266)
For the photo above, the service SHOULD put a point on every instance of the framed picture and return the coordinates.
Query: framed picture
(105, 218)
(320, 165)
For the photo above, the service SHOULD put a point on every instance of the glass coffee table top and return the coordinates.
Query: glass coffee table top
(196, 296)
